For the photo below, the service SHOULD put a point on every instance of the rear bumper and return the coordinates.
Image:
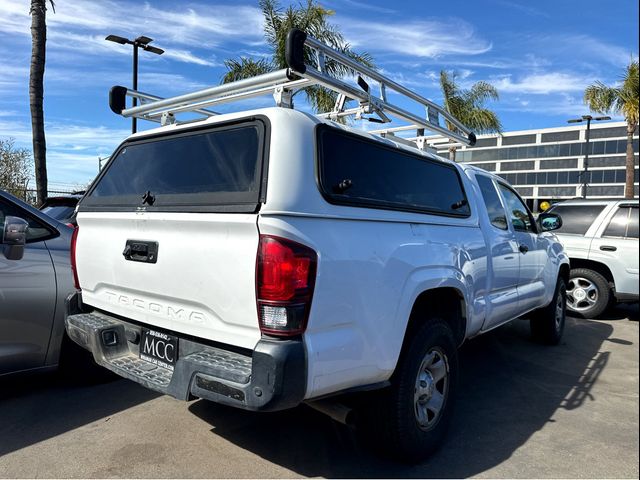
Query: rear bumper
(271, 377)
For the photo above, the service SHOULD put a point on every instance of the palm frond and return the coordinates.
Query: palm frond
(238, 69)
(468, 105)
(600, 98)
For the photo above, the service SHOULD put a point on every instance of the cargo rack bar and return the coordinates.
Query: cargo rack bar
(284, 83)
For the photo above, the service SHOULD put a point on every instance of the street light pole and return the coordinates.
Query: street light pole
(585, 171)
(134, 120)
(140, 42)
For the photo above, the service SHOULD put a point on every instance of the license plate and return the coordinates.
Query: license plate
(159, 348)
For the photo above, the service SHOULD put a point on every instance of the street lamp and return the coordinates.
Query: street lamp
(585, 172)
(140, 42)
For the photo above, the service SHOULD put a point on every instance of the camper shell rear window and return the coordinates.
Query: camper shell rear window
(215, 169)
(356, 171)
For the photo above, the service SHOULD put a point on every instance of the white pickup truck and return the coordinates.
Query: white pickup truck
(267, 258)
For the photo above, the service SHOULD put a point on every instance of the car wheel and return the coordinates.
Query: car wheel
(547, 324)
(588, 293)
(409, 420)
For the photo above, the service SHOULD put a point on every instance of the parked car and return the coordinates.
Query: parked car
(270, 257)
(63, 207)
(35, 280)
(601, 239)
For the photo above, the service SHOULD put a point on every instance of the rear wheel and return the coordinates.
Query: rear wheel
(547, 324)
(409, 420)
(588, 293)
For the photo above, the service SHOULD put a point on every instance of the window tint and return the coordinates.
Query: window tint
(36, 231)
(59, 212)
(623, 224)
(577, 218)
(517, 211)
(215, 167)
(362, 172)
(496, 213)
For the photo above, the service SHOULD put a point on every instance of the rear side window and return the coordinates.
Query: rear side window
(220, 167)
(495, 210)
(577, 218)
(623, 224)
(361, 172)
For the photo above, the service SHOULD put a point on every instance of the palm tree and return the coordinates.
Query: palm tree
(38, 13)
(621, 99)
(310, 18)
(468, 106)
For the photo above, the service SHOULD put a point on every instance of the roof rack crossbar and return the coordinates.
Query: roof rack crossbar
(258, 81)
(384, 81)
(283, 83)
(145, 98)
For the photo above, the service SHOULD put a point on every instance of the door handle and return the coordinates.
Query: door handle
(523, 249)
(608, 248)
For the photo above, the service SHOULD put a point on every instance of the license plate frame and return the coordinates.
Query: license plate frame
(158, 348)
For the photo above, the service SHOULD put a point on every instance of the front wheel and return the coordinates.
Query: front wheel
(547, 324)
(588, 293)
(410, 419)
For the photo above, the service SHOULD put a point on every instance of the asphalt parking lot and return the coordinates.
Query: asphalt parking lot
(524, 411)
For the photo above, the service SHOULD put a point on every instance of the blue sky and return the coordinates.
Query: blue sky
(540, 55)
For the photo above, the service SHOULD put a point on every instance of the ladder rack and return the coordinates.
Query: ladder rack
(284, 83)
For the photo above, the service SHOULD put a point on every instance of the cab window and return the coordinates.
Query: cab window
(517, 211)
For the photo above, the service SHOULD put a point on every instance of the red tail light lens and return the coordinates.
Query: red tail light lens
(285, 278)
(74, 269)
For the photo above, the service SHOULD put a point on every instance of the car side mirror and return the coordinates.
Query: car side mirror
(549, 221)
(14, 236)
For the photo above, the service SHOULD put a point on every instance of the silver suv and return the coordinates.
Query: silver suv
(601, 239)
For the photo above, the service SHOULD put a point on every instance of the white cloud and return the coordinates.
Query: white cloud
(540, 83)
(81, 26)
(72, 150)
(422, 38)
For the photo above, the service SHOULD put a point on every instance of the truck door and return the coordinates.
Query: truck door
(502, 260)
(531, 251)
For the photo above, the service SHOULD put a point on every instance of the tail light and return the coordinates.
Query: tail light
(74, 269)
(285, 278)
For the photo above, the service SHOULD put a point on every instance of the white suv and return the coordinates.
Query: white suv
(271, 257)
(601, 239)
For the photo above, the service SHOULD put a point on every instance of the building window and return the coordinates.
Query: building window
(560, 136)
(518, 139)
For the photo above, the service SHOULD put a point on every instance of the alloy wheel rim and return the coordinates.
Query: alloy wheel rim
(431, 388)
(582, 294)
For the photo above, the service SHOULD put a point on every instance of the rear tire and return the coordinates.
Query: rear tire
(547, 324)
(588, 293)
(409, 420)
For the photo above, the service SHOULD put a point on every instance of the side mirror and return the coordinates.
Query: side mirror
(14, 237)
(549, 221)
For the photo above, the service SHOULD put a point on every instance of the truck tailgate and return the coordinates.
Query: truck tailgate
(202, 282)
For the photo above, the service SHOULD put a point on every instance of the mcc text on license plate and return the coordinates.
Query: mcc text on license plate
(159, 348)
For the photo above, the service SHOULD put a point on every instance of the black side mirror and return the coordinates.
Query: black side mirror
(549, 221)
(14, 236)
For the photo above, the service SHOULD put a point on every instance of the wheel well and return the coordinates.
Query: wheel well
(446, 303)
(601, 268)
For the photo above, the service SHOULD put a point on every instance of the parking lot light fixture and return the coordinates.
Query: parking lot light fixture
(140, 42)
(585, 172)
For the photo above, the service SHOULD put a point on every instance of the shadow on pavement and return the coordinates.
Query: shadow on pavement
(622, 311)
(509, 389)
(34, 408)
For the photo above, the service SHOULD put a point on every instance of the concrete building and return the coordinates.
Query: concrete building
(548, 164)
